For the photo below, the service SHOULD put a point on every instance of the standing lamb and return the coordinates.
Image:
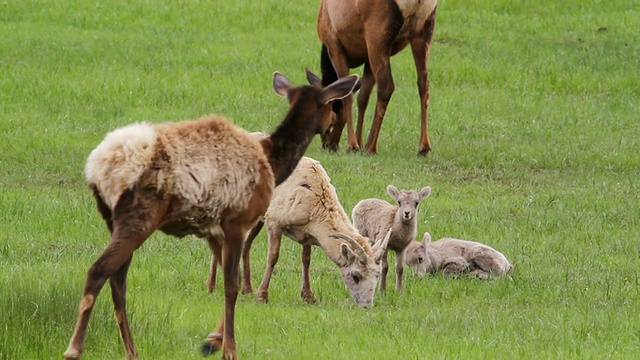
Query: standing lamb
(455, 257)
(207, 178)
(306, 209)
(372, 218)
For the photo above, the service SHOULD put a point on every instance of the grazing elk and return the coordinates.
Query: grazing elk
(207, 178)
(369, 32)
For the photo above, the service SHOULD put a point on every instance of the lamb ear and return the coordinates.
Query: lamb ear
(393, 191)
(425, 192)
(426, 238)
(313, 79)
(340, 88)
(281, 84)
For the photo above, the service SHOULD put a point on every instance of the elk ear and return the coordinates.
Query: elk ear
(340, 88)
(313, 79)
(426, 238)
(281, 84)
(425, 192)
(347, 254)
(358, 85)
(393, 191)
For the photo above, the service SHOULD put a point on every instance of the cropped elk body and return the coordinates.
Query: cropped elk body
(207, 178)
(455, 257)
(369, 32)
(306, 209)
(372, 217)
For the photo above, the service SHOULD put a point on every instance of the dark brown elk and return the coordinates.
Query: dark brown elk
(369, 32)
(207, 178)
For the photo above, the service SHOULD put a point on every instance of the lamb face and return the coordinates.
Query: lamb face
(416, 257)
(408, 201)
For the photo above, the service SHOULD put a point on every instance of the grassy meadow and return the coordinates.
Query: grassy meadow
(535, 129)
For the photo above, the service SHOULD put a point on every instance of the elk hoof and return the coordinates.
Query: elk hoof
(423, 151)
(308, 297)
(247, 291)
(211, 345)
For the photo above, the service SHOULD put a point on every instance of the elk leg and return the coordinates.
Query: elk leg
(118, 283)
(116, 256)
(246, 263)
(215, 338)
(420, 47)
(229, 251)
(368, 81)
(211, 279)
(343, 107)
(381, 69)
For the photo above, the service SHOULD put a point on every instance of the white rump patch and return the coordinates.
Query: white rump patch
(421, 9)
(120, 159)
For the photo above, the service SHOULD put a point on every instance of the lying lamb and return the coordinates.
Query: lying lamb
(455, 257)
(372, 218)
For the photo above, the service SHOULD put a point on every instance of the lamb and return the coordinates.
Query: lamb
(372, 217)
(207, 178)
(455, 257)
(306, 209)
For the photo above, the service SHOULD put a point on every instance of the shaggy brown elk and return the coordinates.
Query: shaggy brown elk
(207, 178)
(369, 32)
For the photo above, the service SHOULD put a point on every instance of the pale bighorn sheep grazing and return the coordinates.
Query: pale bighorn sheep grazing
(369, 32)
(372, 217)
(306, 209)
(455, 257)
(207, 178)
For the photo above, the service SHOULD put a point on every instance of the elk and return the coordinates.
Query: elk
(207, 178)
(369, 32)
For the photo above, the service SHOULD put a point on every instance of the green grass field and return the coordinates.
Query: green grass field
(535, 129)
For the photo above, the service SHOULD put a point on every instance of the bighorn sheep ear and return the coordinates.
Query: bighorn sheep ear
(355, 247)
(347, 254)
(313, 79)
(281, 84)
(393, 191)
(425, 192)
(426, 238)
(340, 88)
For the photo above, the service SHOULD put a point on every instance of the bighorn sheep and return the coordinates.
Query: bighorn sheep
(372, 217)
(455, 257)
(369, 32)
(205, 177)
(306, 209)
